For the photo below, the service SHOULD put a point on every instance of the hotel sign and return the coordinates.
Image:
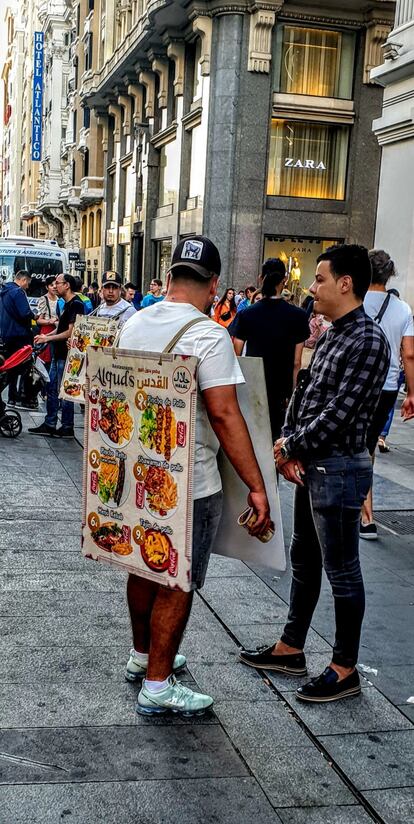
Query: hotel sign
(37, 106)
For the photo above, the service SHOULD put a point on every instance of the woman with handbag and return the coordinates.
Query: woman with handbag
(226, 309)
(47, 317)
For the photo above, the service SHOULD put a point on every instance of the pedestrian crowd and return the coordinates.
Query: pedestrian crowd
(332, 370)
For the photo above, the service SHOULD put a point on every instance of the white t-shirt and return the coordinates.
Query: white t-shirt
(126, 309)
(152, 330)
(397, 323)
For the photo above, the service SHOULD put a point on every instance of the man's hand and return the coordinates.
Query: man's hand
(260, 504)
(292, 470)
(276, 452)
(407, 409)
(40, 339)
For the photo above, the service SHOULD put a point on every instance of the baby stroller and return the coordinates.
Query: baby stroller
(10, 419)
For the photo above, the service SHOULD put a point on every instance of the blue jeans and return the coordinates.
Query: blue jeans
(52, 400)
(326, 533)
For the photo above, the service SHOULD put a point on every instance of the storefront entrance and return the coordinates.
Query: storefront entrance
(299, 256)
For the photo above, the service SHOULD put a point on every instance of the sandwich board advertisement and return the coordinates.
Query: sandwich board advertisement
(139, 461)
(88, 330)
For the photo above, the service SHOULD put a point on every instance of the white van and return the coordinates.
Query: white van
(39, 257)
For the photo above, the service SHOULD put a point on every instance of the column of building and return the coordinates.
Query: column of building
(394, 130)
(12, 78)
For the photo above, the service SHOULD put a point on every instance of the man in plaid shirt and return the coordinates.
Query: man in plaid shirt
(323, 451)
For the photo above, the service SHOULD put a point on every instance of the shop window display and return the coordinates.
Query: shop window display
(299, 256)
(317, 62)
(307, 159)
(164, 249)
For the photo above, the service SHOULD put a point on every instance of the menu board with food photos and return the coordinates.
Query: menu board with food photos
(138, 463)
(87, 331)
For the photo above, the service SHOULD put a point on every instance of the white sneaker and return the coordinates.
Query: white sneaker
(174, 698)
(135, 670)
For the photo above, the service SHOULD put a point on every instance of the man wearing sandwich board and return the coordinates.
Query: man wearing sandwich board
(159, 615)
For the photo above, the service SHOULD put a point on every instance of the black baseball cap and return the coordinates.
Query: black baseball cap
(197, 253)
(111, 279)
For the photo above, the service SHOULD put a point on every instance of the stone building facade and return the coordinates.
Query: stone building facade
(394, 130)
(20, 173)
(250, 124)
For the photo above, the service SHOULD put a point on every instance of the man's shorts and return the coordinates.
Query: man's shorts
(206, 519)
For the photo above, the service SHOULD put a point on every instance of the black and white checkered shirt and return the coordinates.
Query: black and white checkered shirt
(347, 374)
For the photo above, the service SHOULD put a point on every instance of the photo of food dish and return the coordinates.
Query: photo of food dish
(75, 364)
(115, 423)
(72, 389)
(122, 548)
(158, 430)
(113, 485)
(107, 535)
(102, 339)
(81, 342)
(156, 550)
(161, 492)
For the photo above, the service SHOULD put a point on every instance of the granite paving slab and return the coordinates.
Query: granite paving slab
(243, 599)
(207, 800)
(63, 632)
(26, 663)
(298, 776)
(232, 681)
(397, 682)
(221, 567)
(70, 582)
(77, 605)
(210, 644)
(374, 760)
(408, 710)
(325, 815)
(260, 729)
(391, 495)
(368, 712)
(117, 754)
(92, 703)
(395, 806)
(72, 655)
(41, 514)
(68, 559)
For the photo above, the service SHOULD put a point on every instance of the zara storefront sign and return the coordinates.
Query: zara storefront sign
(37, 107)
(291, 163)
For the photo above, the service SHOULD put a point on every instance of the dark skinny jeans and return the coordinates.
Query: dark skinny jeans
(326, 533)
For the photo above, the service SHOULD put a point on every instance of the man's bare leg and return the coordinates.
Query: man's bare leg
(367, 510)
(141, 595)
(170, 613)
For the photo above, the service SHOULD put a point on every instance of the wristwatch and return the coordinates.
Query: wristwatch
(284, 451)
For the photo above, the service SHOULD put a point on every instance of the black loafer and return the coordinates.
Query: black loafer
(262, 658)
(326, 687)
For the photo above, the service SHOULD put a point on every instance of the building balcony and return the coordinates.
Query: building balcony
(74, 196)
(28, 210)
(89, 81)
(91, 190)
(64, 193)
(83, 139)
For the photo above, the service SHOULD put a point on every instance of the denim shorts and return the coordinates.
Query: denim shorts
(206, 519)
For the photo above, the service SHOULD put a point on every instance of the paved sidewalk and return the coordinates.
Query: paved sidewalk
(72, 747)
